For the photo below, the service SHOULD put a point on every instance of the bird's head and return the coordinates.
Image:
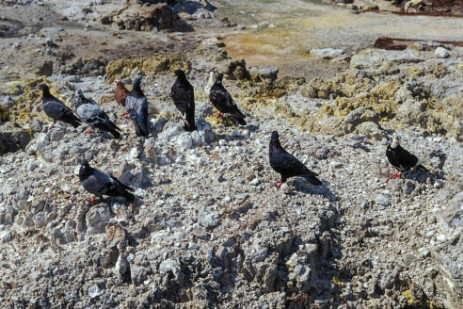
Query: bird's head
(117, 82)
(45, 90)
(219, 78)
(274, 141)
(84, 163)
(84, 167)
(274, 136)
(136, 83)
(43, 87)
(180, 74)
(395, 141)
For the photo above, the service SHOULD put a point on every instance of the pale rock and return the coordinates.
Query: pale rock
(138, 274)
(41, 141)
(382, 200)
(56, 134)
(208, 219)
(326, 53)
(269, 72)
(94, 291)
(169, 133)
(170, 265)
(5, 236)
(185, 140)
(96, 219)
(441, 52)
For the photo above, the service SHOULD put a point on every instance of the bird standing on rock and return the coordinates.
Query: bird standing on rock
(56, 109)
(183, 95)
(136, 104)
(89, 112)
(401, 159)
(99, 183)
(222, 100)
(120, 94)
(287, 165)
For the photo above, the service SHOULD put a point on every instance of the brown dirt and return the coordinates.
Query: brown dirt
(401, 44)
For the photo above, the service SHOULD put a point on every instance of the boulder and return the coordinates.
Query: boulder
(144, 18)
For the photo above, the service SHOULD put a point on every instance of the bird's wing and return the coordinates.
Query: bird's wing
(218, 96)
(405, 158)
(120, 186)
(88, 112)
(191, 97)
(131, 106)
(285, 163)
(181, 97)
(98, 183)
(56, 109)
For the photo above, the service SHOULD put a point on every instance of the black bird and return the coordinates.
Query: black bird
(99, 183)
(137, 107)
(183, 95)
(401, 159)
(89, 112)
(287, 165)
(222, 100)
(56, 109)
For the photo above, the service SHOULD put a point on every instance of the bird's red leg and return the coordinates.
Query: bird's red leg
(279, 183)
(92, 200)
(179, 117)
(219, 115)
(89, 131)
(396, 176)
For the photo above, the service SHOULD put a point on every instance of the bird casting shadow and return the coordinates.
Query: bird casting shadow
(421, 176)
(301, 185)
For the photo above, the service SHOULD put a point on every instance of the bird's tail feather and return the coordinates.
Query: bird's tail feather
(128, 193)
(313, 180)
(115, 133)
(114, 129)
(190, 122)
(238, 119)
(75, 122)
(129, 196)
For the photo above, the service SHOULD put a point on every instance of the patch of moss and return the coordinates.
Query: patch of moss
(337, 282)
(410, 298)
(220, 121)
(385, 91)
(439, 70)
(13, 88)
(413, 71)
(284, 109)
(4, 114)
(327, 110)
(345, 105)
(253, 103)
(28, 104)
(127, 67)
(344, 85)
(167, 115)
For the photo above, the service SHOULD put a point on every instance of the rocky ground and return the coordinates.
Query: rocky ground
(208, 228)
